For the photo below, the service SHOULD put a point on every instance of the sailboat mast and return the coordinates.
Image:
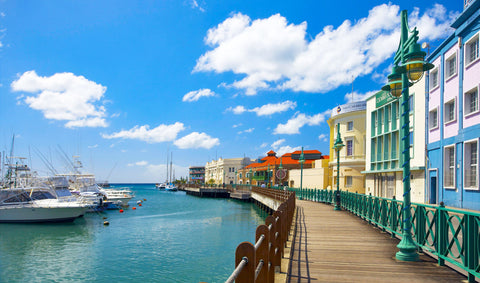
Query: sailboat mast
(171, 157)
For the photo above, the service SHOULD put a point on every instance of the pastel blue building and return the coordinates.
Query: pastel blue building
(453, 116)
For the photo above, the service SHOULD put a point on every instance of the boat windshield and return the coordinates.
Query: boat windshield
(38, 195)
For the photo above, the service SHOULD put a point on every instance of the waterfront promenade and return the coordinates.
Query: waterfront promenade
(336, 246)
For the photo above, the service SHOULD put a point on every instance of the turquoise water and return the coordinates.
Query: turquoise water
(172, 237)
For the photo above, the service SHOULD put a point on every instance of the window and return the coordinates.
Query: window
(348, 181)
(451, 66)
(471, 164)
(471, 101)
(349, 147)
(433, 119)
(450, 111)
(350, 126)
(434, 79)
(410, 103)
(449, 167)
(471, 50)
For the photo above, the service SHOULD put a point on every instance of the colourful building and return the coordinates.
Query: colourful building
(453, 115)
(196, 174)
(351, 118)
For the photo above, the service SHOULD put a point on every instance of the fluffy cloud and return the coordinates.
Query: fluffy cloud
(297, 121)
(323, 137)
(273, 54)
(64, 97)
(197, 94)
(282, 149)
(196, 140)
(355, 96)
(246, 131)
(162, 133)
(138, 163)
(267, 109)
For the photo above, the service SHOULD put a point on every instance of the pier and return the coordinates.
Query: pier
(359, 242)
(336, 246)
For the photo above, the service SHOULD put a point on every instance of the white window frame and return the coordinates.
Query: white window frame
(445, 164)
(347, 185)
(430, 127)
(434, 73)
(348, 126)
(475, 187)
(468, 50)
(467, 102)
(346, 147)
(445, 112)
(447, 66)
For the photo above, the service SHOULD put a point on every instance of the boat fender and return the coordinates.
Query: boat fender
(134, 208)
(139, 204)
(121, 210)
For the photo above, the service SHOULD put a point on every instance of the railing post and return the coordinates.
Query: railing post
(262, 252)
(393, 216)
(245, 250)
(420, 225)
(271, 269)
(442, 233)
(471, 244)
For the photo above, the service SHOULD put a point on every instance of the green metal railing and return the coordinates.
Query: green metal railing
(451, 235)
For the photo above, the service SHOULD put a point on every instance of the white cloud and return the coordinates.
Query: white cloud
(197, 140)
(263, 145)
(93, 146)
(267, 109)
(138, 163)
(273, 54)
(323, 137)
(237, 110)
(355, 96)
(297, 121)
(197, 94)
(281, 150)
(161, 133)
(246, 131)
(237, 125)
(64, 97)
(194, 4)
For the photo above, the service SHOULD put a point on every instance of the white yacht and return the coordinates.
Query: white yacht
(38, 204)
(120, 197)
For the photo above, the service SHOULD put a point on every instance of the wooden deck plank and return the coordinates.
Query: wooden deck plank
(336, 246)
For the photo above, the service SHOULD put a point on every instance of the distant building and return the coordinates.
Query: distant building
(196, 174)
(351, 117)
(454, 115)
(222, 171)
(266, 171)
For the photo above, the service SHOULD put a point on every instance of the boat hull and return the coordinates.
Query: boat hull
(29, 214)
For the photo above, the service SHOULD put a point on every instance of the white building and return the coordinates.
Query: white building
(384, 175)
(222, 171)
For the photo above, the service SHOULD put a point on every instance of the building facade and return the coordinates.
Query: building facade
(351, 118)
(453, 115)
(222, 171)
(196, 174)
(384, 172)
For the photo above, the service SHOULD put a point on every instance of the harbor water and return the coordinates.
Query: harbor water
(171, 237)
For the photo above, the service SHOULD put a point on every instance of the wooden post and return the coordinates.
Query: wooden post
(247, 275)
(262, 252)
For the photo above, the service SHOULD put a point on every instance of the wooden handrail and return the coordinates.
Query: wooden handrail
(257, 263)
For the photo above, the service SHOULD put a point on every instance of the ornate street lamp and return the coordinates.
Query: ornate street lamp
(251, 177)
(301, 161)
(409, 66)
(235, 178)
(337, 146)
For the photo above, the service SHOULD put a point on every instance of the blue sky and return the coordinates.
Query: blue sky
(124, 83)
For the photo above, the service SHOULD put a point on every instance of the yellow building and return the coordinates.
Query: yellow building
(351, 118)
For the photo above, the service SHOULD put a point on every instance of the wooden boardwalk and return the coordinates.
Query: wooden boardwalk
(336, 246)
